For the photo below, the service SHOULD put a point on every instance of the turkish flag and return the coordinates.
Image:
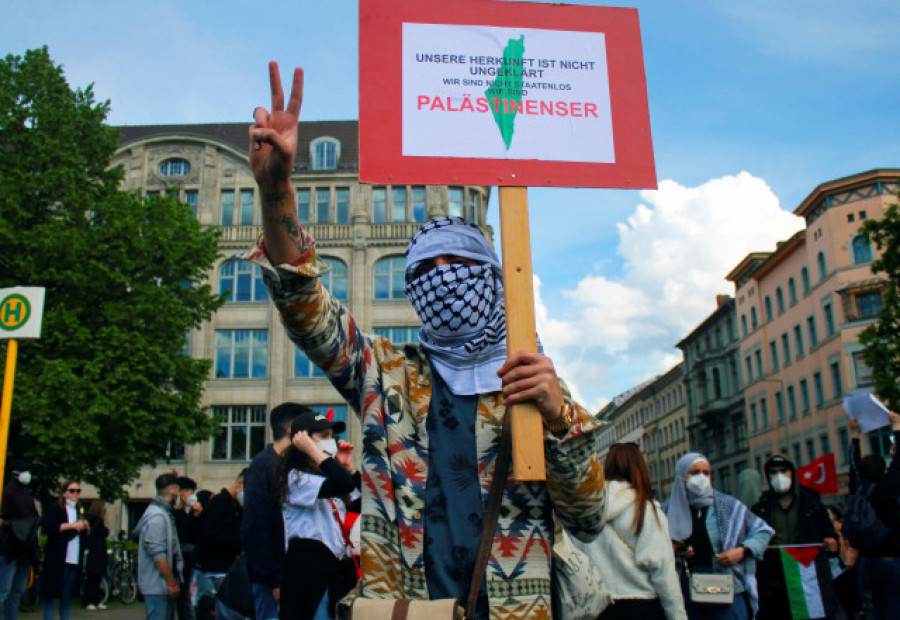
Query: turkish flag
(820, 475)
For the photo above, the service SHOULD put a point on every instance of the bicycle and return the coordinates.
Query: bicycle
(121, 570)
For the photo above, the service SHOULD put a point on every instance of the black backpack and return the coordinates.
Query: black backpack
(862, 527)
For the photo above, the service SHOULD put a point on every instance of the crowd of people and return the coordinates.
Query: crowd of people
(302, 535)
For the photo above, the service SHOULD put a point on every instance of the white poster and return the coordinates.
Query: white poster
(505, 93)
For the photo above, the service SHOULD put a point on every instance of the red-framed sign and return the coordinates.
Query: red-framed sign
(486, 92)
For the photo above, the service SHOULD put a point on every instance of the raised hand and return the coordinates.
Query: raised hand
(273, 137)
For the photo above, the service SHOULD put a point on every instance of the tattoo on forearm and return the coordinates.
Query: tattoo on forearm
(292, 228)
(273, 199)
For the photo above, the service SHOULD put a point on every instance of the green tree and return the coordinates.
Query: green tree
(107, 385)
(882, 338)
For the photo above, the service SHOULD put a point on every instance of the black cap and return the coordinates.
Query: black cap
(778, 460)
(312, 421)
(19, 465)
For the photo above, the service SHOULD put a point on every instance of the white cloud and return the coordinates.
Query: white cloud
(677, 248)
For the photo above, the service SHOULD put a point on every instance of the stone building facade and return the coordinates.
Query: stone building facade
(361, 231)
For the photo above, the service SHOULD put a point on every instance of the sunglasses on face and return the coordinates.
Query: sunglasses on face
(76, 491)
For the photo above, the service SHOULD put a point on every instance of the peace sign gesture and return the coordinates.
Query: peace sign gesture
(273, 137)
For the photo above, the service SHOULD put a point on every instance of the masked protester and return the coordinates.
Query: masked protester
(316, 480)
(714, 532)
(799, 517)
(19, 549)
(160, 560)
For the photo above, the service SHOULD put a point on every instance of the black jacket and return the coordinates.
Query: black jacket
(55, 551)
(262, 528)
(884, 496)
(219, 540)
(814, 524)
(95, 547)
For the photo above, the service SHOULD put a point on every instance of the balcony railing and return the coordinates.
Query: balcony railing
(324, 233)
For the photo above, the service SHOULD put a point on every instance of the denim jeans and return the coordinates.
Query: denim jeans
(881, 578)
(70, 580)
(159, 607)
(264, 602)
(207, 585)
(17, 588)
(7, 572)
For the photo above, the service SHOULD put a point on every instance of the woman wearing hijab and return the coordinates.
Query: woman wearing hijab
(714, 532)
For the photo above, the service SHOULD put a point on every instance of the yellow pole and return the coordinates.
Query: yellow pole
(12, 349)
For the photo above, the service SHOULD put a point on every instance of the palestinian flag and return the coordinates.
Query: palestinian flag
(808, 579)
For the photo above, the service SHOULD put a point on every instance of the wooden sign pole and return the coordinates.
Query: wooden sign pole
(521, 335)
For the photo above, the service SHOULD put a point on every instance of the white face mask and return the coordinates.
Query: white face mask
(24, 477)
(698, 484)
(328, 446)
(780, 483)
(240, 498)
(191, 500)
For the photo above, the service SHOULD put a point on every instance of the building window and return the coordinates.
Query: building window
(779, 300)
(868, 305)
(175, 167)
(241, 353)
(779, 407)
(744, 324)
(398, 204)
(418, 204)
(829, 319)
(398, 335)
(759, 363)
(764, 412)
(749, 364)
(455, 204)
(303, 205)
(862, 370)
(773, 355)
(172, 452)
(717, 383)
(335, 280)
(192, 198)
(792, 402)
(811, 330)
(304, 368)
(390, 278)
(823, 267)
(342, 205)
(862, 250)
(810, 450)
(844, 443)
(798, 340)
(246, 207)
(754, 419)
(379, 205)
(792, 291)
(819, 388)
(825, 443)
(768, 308)
(798, 454)
(836, 383)
(786, 348)
(753, 321)
(241, 281)
(473, 207)
(324, 153)
(804, 395)
(227, 208)
(241, 434)
(323, 206)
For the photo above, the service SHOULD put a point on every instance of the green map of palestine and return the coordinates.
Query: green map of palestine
(508, 86)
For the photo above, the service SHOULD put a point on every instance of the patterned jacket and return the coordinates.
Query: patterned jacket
(390, 390)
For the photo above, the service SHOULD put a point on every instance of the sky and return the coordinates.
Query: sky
(752, 105)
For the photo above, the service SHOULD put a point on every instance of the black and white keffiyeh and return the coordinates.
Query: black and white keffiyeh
(461, 306)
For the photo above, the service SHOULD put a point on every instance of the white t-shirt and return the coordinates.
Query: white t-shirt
(306, 515)
(75, 544)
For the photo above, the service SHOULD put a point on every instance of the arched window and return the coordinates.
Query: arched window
(823, 268)
(804, 280)
(241, 282)
(792, 291)
(174, 167)
(744, 324)
(324, 153)
(862, 250)
(753, 320)
(335, 281)
(768, 308)
(390, 278)
(779, 300)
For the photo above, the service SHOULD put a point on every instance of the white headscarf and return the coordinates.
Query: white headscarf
(681, 500)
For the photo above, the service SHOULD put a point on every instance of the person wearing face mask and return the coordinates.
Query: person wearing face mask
(714, 532)
(65, 527)
(219, 543)
(187, 526)
(316, 479)
(799, 517)
(431, 412)
(160, 561)
(19, 523)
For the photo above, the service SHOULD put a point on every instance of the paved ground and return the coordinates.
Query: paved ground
(116, 611)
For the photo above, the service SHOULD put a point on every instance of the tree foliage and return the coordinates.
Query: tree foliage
(882, 338)
(107, 385)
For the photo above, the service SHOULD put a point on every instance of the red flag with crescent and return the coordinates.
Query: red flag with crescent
(820, 475)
